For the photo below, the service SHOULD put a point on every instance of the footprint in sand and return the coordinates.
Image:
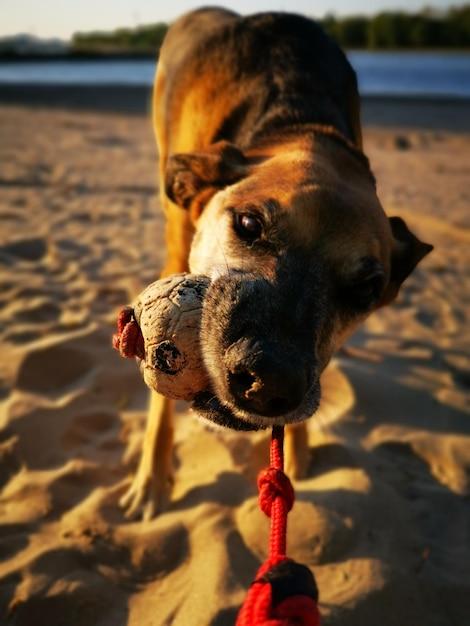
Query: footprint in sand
(33, 249)
(328, 535)
(52, 367)
(40, 310)
(91, 428)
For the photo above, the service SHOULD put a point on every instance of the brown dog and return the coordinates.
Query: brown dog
(267, 191)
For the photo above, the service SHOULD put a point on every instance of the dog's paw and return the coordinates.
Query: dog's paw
(147, 496)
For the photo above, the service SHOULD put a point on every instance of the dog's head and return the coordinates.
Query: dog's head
(300, 251)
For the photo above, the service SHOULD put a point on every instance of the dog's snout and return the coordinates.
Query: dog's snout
(262, 381)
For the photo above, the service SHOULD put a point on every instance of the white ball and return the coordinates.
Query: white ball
(168, 313)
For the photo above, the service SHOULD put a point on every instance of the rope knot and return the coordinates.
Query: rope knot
(284, 593)
(128, 340)
(273, 484)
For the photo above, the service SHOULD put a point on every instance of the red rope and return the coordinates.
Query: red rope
(284, 593)
(128, 340)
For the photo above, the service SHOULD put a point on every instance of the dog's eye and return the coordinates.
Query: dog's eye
(364, 293)
(248, 226)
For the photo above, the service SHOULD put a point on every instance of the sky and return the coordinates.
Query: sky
(61, 18)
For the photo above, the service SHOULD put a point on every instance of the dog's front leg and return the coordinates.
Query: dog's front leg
(150, 490)
(297, 452)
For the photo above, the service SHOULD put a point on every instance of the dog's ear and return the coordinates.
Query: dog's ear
(192, 179)
(407, 252)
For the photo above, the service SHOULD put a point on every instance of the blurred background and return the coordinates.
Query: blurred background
(382, 517)
(401, 48)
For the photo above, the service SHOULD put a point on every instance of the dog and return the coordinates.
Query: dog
(267, 191)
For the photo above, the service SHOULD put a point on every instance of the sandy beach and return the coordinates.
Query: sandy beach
(383, 518)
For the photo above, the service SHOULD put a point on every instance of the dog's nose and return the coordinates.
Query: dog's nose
(262, 382)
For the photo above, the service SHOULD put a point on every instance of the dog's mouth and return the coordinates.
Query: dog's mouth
(209, 407)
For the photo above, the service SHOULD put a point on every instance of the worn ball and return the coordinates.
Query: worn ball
(168, 313)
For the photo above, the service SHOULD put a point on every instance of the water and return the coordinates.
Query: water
(409, 74)
(110, 72)
(379, 73)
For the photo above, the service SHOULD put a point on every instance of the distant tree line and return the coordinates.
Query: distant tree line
(387, 30)
(391, 30)
(141, 40)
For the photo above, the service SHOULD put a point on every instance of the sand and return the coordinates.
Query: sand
(383, 518)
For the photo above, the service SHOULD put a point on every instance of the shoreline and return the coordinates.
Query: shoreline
(417, 112)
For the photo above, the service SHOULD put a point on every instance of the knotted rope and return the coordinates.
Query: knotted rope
(284, 592)
(128, 340)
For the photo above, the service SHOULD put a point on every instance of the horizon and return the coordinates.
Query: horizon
(51, 19)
